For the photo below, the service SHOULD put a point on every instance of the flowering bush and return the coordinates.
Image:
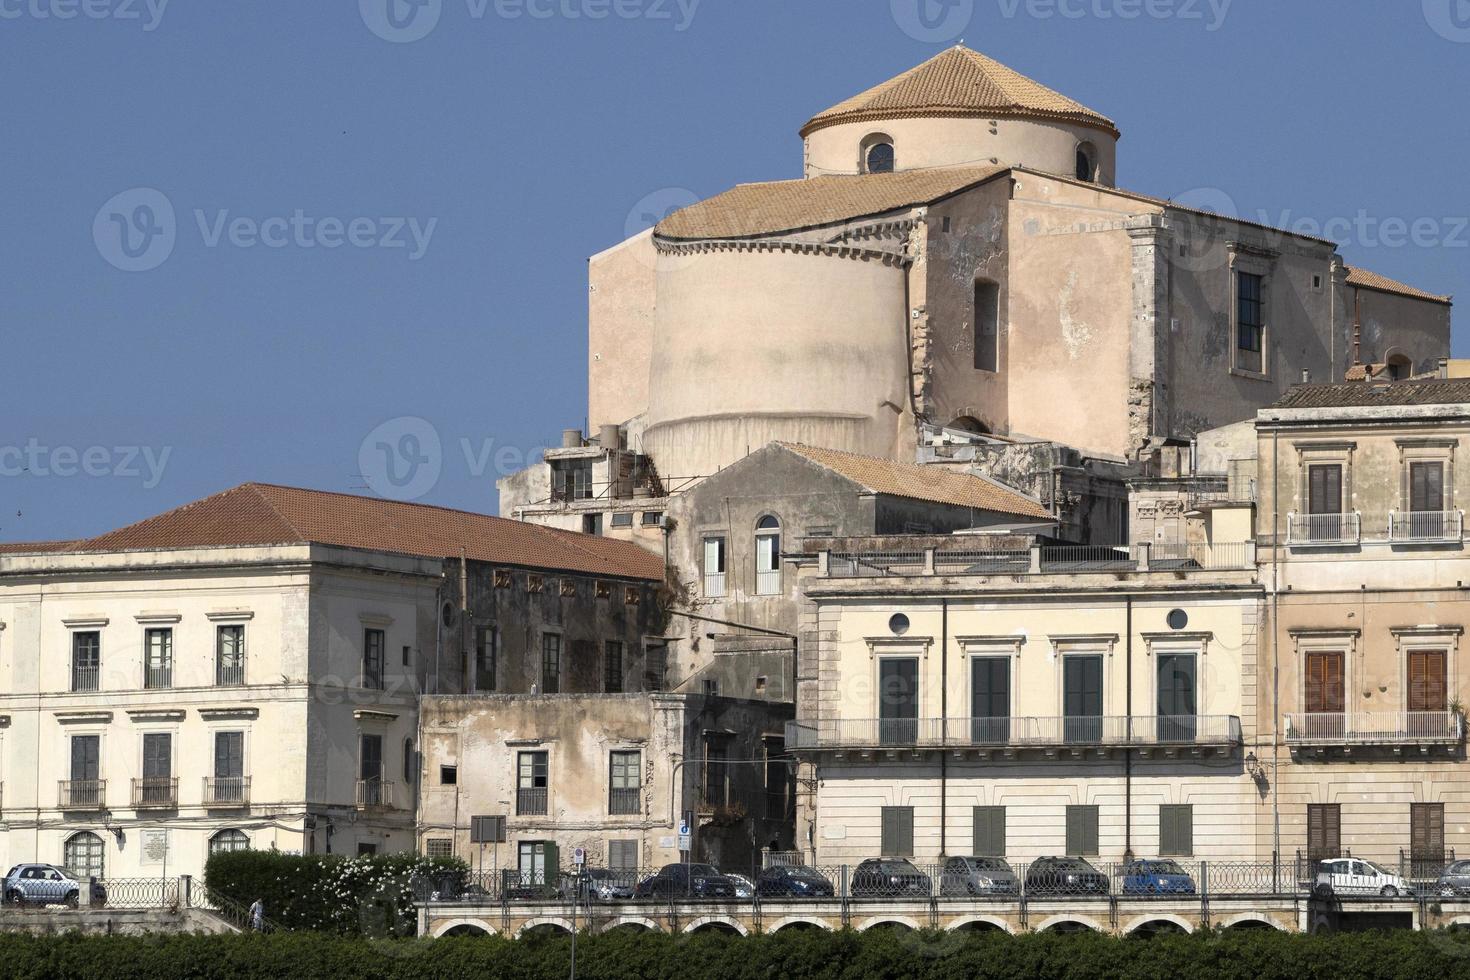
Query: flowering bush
(371, 896)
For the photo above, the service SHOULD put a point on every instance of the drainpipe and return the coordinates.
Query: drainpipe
(1275, 650)
(1127, 747)
(943, 725)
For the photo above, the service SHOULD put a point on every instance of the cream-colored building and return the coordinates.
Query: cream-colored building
(244, 671)
(995, 697)
(1363, 553)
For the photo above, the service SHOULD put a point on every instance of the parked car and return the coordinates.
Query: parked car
(1064, 876)
(598, 885)
(1156, 878)
(744, 887)
(793, 882)
(978, 876)
(46, 884)
(686, 881)
(890, 878)
(1454, 881)
(1355, 876)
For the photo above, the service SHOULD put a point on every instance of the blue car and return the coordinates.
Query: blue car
(1156, 878)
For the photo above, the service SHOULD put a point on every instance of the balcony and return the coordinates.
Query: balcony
(1013, 734)
(158, 678)
(1039, 560)
(226, 791)
(86, 678)
(156, 793)
(82, 794)
(374, 794)
(714, 585)
(531, 802)
(229, 675)
(1426, 527)
(624, 802)
(1388, 729)
(1323, 530)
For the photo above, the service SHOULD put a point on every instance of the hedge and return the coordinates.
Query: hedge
(352, 896)
(787, 955)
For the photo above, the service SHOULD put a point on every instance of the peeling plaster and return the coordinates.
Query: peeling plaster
(1075, 334)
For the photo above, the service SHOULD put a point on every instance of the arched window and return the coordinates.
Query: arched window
(82, 856)
(768, 556)
(228, 840)
(1086, 162)
(878, 156)
(987, 326)
(1400, 367)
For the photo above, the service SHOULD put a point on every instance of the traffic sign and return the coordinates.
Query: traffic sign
(579, 856)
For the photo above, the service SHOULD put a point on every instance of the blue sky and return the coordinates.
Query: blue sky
(368, 229)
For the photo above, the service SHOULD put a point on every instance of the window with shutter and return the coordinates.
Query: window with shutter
(1324, 831)
(898, 831)
(1426, 831)
(622, 855)
(1081, 830)
(1324, 490)
(990, 831)
(1427, 680)
(1176, 830)
(1426, 487)
(1325, 693)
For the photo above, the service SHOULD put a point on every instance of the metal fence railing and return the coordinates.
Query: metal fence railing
(140, 893)
(1425, 527)
(1323, 529)
(155, 792)
(876, 564)
(81, 794)
(226, 791)
(1368, 728)
(985, 879)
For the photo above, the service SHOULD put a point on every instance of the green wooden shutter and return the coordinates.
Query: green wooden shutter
(898, 831)
(1176, 831)
(1081, 830)
(990, 831)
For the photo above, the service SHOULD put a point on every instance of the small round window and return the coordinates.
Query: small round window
(1178, 619)
(898, 624)
(877, 155)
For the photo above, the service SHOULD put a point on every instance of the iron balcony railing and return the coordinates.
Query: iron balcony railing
(152, 792)
(374, 794)
(1370, 728)
(531, 802)
(158, 677)
(229, 675)
(82, 794)
(624, 802)
(1426, 527)
(1017, 732)
(1324, 529)
(86, 678)
(1053, 560)
(714, 585)
(226, 791)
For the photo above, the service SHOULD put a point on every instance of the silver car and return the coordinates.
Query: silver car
(46, 884)
(977, 876)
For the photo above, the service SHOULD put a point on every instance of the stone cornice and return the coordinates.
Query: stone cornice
(796, 248)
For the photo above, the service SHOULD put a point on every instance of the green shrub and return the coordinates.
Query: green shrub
(369, 896)
(809, 955)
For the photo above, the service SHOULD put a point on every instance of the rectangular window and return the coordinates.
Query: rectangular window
(448, 775)
(768, 563)
(898, 700)
(1427, 683)
(778, 778)
(652, 518)
(407, 656)
(571, 479)
(1325, 693)
(1324, 489)
(624, 519)
(622, 855)
(1081, 831)
(439, 847)
(612, 667)
(1176, 706)
(623, 794)
(86, 661)
(156, 788)
(591, 523)
(990, 701)
(1324, 831)
(989, 831)
(1426, 835)
(365, 849)
(229, 755)
(714, 567)
(536, 861)
(370, 757)
(716, 772)
(229, 656)
(532, 783)
(158, 658)
(374, 643)
(1082, 701)
(1250, 321)
(898, 831)
(1426, 487)
(485, 657)
(85, 759)
(987, 326)
(551, 663)
(1176, 830)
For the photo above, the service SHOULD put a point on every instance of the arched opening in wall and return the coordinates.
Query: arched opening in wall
(630, 927)
(466, 931)
(1251, 925)
(82, 856)
(1069, 926)
(768, 556)
(1158, 927)
(228, 840)
(977, 926)
(719, 928)
(967, 423)
(986, 318)
(889, 927)
(1086, 162)
(800, 927)
(1400, 367)
(543, 929)
(878, 155)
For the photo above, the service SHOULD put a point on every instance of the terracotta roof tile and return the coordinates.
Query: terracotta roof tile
(1372, 280)
(750, 210)
(1357, 394)
(264, 514)
(33, 547)
(917, 482)
(960, 82)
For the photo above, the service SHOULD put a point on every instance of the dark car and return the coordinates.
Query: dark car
(1156, 878)
(1455, 881)
(685, 881)
(598, 885)
(977, 876)
(1064, 876)
(890, 878)
(798, 882)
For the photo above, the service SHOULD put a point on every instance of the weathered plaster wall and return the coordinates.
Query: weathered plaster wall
(1397, 325)
(620, 303)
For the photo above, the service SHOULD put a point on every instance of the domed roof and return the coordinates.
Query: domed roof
(960, 82)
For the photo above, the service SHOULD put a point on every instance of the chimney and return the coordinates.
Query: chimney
(1444, 369)
(571, 438)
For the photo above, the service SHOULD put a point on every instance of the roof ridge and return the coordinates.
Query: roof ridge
(377, 499)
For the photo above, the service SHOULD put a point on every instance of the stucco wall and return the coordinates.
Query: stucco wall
(1398, 325)
(620, 302)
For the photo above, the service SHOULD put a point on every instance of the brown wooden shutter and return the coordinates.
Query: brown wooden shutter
(1324, 694)
(1426, 831)
(1427, 680)
(1324, 831)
